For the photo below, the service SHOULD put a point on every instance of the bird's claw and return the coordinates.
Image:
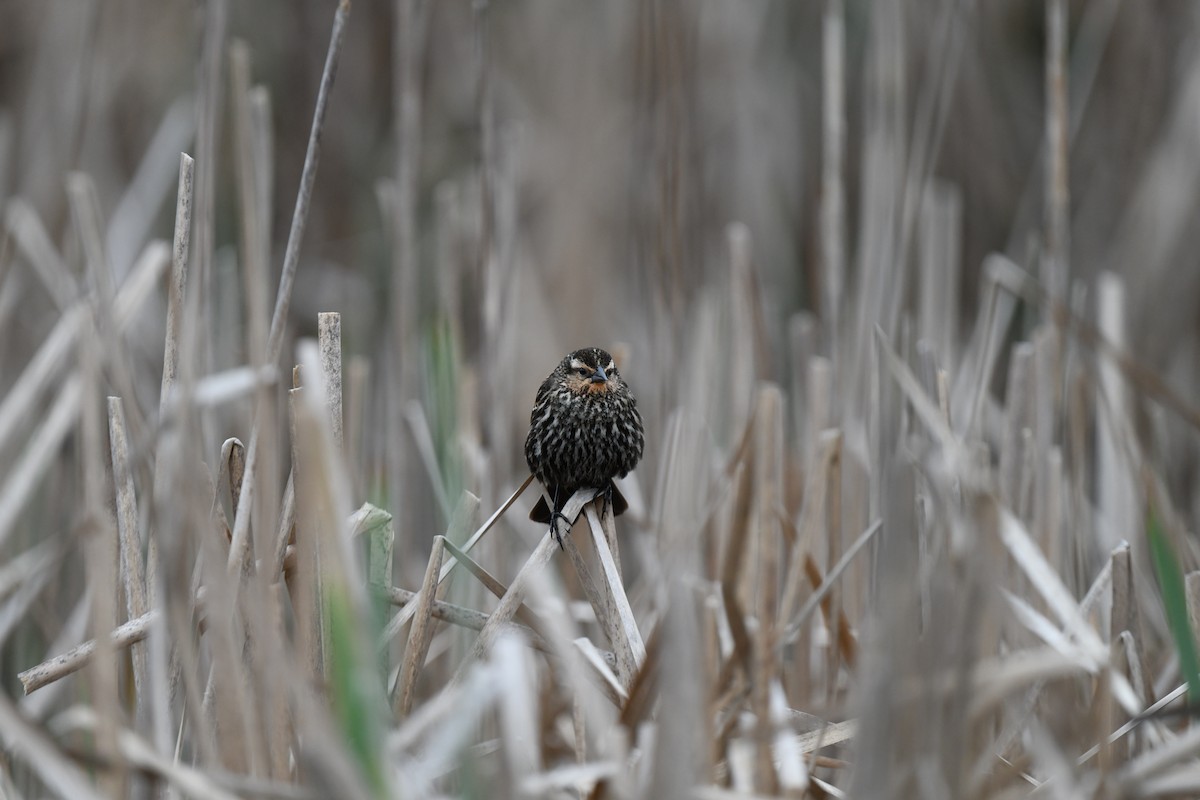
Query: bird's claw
(554, 518)
(605, 496)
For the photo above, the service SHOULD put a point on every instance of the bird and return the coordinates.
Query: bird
(584, 430)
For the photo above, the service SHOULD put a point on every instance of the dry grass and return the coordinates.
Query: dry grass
(886, 542)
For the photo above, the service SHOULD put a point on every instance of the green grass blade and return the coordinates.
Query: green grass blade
(1170, 582)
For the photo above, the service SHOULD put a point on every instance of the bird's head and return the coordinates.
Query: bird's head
(589, 371)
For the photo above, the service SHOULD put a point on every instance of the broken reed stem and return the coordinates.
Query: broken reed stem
(291, 260)
(178, 282)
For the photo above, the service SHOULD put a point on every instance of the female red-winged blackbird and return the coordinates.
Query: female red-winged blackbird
(584, 431)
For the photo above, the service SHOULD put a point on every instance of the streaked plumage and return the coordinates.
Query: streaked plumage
(584, 431)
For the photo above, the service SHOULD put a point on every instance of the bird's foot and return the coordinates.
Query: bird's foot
(605, 496)
(558, 537)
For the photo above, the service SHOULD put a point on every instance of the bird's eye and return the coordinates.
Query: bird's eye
(583, 373)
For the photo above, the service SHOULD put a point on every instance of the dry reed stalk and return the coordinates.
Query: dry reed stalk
(512, 600)
(489, 582)
(408, 42)
(1117, 500)
(357, 380)
(100, 544)
(276, 716)
(287, 522)
(768, 550)
(27, 230)
(1018, 418)
(133, 631)
(420, 633)
(320, 516)
(329, 333)
(266, 724)
(833, 548)
(38, 454)
(515, 595)
(255, 261)
(22, 580)
(164, 670)
(1146, 380)
(418, 424)
(29, 744)
(979, 673)
(252, 160)
(208, 110)
(818, 404)
(16, 408)
(821, 586)
(933, 105)
(133, 580)
(400, 620)
(833, 192)
(381, 541)
(677, 671)
(467, 618)
(730, 579)
(305, 587)
(291, 261)
(601, 662)
(136, 213)
(519, 707)
(1058, 233)
(228, 688)
(1123, 612)
(626, 638)
(940, 245)
(336, 594)
(262, 147)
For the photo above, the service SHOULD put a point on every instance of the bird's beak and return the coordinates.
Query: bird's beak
(598, 376)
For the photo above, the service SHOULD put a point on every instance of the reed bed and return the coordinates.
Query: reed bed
(917, 513)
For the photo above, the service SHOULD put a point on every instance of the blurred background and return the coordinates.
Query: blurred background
(722, 193)
(620, 139)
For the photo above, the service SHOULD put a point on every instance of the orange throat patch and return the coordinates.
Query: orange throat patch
(584, 386)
